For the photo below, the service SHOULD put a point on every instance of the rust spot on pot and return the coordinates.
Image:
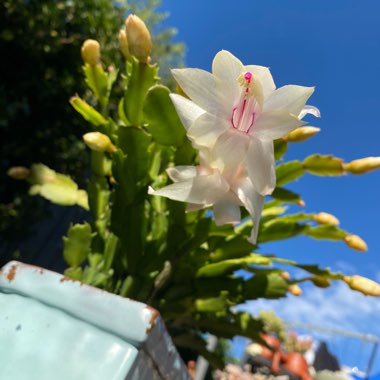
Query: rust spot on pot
(153, 318)
(39, 270)
(64, 279)
(12, 273)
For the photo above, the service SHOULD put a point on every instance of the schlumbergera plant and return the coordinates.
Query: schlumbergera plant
(162, 159)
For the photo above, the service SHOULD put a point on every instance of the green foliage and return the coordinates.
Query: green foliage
(89, 113)
(286, 195)
(289, 172)
(77, 244)
(164, 123)
(228, 266)
(273, 324)
(324, 165)
(40, 48)
(140, 78)
(326, 232)
(55, 187)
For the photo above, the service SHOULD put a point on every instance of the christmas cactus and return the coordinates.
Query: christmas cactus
(187, 187)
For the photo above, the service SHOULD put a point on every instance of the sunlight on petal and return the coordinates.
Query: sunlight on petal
(201, 88)
(260, 166)
(206, 130)
(226, 213)
(275, 124)
(228, 68)
(290, 98)
(187, 110)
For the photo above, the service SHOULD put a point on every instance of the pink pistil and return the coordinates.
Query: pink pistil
(248, 76)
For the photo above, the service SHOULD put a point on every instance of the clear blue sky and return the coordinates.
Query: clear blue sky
(335, 46)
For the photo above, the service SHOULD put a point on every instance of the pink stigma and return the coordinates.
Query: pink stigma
(248, 76)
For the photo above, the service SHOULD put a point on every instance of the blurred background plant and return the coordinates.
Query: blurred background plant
(275, 326)
(40, 46)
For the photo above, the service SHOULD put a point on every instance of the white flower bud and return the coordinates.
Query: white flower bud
(91, 52)
(139, 39)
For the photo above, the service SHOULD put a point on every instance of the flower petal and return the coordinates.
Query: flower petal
(258, 93)
(187, 110)
(260, 166)
(265, 78)
(203, 189)
(228, 68)
(195, 207)
(290, 98)
(201, 88)
(309, 110)
(253, 202)
(275, 124)
(181, 173)
(206, 130)
(229, 152)
(226, 213)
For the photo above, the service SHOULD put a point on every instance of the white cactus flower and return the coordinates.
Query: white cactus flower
(236, 112)
(232, 117)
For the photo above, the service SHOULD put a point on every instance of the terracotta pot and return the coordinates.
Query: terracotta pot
(272, 342)
(295, 362)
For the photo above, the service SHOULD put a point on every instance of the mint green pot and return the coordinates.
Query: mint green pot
(54, 328)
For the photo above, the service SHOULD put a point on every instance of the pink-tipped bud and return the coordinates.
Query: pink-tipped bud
(301, 203)
(91, 52)
(295, 290)
(139, 39)
(285, 275)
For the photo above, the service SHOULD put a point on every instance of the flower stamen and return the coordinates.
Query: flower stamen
(243, 115)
